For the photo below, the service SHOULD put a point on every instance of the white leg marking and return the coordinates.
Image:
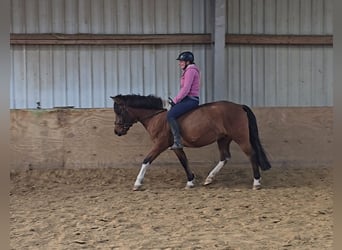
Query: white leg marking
(140, 177)
(190, 184)
(256, 184)
(213, 172)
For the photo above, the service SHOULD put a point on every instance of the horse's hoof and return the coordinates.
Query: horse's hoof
(189, 184)
(208, 181)
(137, 188)
(256, 187)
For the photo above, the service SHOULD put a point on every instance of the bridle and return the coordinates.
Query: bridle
(153, 114)
(127, 125)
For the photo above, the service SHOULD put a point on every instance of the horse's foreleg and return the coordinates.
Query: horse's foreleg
(184, 161)
(146, 163)
(140, 177)
(256, 183)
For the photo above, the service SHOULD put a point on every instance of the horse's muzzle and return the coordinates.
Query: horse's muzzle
(119, 133)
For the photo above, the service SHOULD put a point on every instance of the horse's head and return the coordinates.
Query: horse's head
(123, 119)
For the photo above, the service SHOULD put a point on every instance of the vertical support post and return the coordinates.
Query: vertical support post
(219, 53)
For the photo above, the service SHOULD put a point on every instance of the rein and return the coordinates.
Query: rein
(153, 114)
(127, 125)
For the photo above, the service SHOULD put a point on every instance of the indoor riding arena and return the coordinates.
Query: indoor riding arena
(72, 178)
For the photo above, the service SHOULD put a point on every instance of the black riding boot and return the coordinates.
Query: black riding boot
(176, 135)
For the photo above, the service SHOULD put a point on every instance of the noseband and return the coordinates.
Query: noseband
(125, 125)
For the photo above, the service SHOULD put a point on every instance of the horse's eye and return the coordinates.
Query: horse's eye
(117, 109)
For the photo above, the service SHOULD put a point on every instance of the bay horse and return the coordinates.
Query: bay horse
(220, 121)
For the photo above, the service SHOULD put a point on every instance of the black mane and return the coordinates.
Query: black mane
(138, 101)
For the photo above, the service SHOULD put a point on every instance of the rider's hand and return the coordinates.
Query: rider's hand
(171, 102)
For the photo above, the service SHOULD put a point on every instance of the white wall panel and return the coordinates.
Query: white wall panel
(72, 76)
(124, 70)
(98, 77)
(173, 16)
(161, 69)
(17, 17)
(18, 79)
(282, 15)
(279, 17)
(198, 15)
(45, 13)
(305, 17)
(136, 69)
(270, 16)
(110, 74)
(270, 76)
(245, 75)
(234, 77)
(46, 76)
(233, 15)
(85, 76)
(31, 15)
(186, 14)
(327, 95)
(245, 17)
(85, 69)
(317, 16)
(258, 76)
(123, 24)
(281, 76)
(305, 76)
(135, 17)
(58, 16)
(161, 17)
(294, 75)
(328, 17)
(109, 19)
(97, 17)
(294, 17)
(32, 76)
(149, 17)
(84, 16)
(71, 16)
(150, 75)
(59, 76)
(257, 17)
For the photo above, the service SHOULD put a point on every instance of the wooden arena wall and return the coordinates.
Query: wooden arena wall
(84, 138)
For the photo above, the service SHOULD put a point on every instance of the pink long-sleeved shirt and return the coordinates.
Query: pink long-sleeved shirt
(189, 83)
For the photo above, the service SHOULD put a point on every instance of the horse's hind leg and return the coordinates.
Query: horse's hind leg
(256, 172)
(247, 149)
(184, 161)
(223, 145)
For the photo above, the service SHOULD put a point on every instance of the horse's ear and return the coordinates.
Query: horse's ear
(113, 98)
(117, 99)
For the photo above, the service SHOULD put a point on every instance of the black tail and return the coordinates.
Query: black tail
(261, 157)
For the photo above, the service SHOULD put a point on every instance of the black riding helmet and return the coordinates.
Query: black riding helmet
(186, 56)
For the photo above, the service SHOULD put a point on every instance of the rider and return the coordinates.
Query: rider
(187, 97)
